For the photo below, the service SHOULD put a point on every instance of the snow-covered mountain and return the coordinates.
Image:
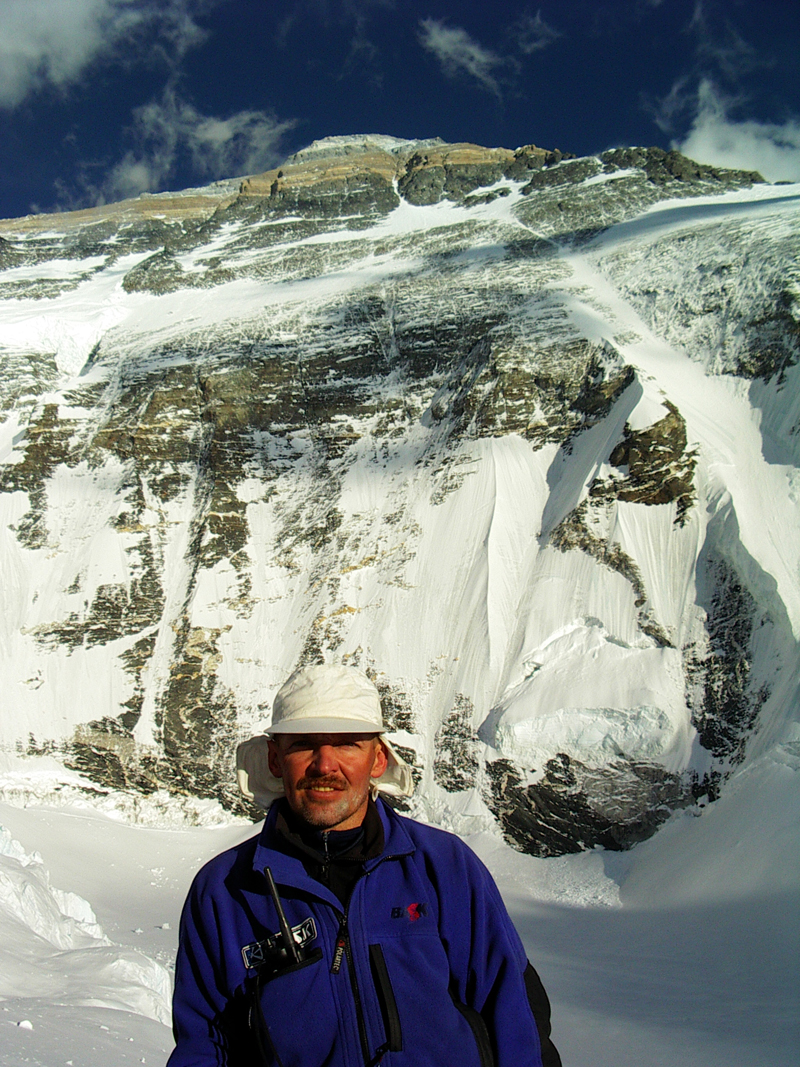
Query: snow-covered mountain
(516, 433)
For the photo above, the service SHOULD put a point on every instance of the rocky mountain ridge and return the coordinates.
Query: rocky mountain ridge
(420, 407)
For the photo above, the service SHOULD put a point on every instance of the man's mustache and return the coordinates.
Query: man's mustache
(326, 781)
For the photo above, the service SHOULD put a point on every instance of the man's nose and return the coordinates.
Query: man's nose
(324, 761)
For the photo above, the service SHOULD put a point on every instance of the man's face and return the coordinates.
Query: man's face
(326, 776)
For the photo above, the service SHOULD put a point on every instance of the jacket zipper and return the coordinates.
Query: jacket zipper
(341, 946)
(343, 951)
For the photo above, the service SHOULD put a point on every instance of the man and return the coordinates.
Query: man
(345, 935)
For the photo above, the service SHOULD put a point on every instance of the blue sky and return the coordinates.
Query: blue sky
(102, 99)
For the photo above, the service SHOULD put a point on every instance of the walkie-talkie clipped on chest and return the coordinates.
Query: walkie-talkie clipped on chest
(287, 950)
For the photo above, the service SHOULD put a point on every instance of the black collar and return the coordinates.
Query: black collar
(362, 843)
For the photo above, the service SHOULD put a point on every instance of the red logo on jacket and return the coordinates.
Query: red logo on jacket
(413, 912)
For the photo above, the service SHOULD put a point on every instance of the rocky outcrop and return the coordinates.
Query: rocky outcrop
(187, 206)
(357, 184)
(665, 168)
(575, 807)
(357, 176)
(726, 700)
(658, 468)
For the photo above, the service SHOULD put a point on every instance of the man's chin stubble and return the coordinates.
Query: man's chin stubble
(328, 816)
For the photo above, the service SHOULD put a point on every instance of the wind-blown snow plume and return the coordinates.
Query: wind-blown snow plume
(769, 147)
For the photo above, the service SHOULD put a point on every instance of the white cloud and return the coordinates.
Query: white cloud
(171, 131)
(772, 149)
(53, 42)
(718, 44)
(699, 115)
(533, 34)
(668, 111)
(458, 53)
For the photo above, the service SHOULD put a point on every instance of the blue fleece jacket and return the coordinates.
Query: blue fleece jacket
(423, 969)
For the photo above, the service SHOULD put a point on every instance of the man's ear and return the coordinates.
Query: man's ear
(381, 760)
(274, 758)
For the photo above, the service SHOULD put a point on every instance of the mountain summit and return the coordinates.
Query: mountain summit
(514, 432)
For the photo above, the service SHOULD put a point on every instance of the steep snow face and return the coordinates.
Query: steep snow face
(519, 440)
(629, 701)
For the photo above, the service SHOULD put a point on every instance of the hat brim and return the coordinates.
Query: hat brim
(320, 725)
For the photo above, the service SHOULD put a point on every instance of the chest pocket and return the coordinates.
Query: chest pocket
(403, 908)
(386, 998)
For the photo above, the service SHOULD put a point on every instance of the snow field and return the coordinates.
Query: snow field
(52, 948)
(684, 950)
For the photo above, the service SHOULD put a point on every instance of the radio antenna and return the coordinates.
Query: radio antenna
(288, 938)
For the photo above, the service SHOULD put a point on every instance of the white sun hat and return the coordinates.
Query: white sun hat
(326, 698)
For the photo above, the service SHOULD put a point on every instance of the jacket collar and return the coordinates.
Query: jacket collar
(275, 852)
(359, 844)
(397, 841)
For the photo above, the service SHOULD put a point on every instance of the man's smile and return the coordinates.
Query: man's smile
(321, 785)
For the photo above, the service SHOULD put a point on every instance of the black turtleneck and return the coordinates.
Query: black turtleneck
(333, 857)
